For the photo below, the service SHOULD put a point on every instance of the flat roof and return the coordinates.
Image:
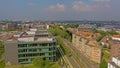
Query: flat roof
(112, 63)
(39, 36)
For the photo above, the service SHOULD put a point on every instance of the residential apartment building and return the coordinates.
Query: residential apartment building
(115, 63)
(87, 26)
(2, 27)
(25, 46)
(115, 52)
(115, 47)
(85, 41)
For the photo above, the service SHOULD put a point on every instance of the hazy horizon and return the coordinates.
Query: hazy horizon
(60, 10)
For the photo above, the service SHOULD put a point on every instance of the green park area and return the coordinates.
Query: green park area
(37, 63)
(1, 49)
(2, 62)
(60, 33)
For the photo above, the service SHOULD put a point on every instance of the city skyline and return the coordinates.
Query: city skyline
(60, 10)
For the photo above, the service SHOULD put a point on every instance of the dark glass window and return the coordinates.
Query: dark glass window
(22, 50)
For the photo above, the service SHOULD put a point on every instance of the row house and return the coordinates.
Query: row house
(86, 42)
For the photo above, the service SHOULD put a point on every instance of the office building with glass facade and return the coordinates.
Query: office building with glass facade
(24, 47)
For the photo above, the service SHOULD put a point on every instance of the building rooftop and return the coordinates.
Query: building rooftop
(89, 36)
(94, 44)
(116, 36)
(112, 63)
(33, 36)
(86, 33)
(83, 32)
(87, 26)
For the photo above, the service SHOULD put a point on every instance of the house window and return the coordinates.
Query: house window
(80, 39)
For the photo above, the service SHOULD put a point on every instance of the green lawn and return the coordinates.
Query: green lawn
(2, 64)
(21, 66)
(52, 65)
(55, 65)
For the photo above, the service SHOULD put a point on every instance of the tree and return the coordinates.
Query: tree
(1, 49)
(109, 47)
(103, 64)
(105, 46)
(57, 31)
(2, 64)
(71, 25)
(112, 32)
(1, 45)
(40, 63)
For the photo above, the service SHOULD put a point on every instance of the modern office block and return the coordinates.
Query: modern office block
(25, 46)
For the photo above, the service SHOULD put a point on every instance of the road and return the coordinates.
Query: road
(87, 63)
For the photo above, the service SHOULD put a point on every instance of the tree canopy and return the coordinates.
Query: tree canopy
(57, 31)
(40, 63)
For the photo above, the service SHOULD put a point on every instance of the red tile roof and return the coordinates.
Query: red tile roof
(116, 36)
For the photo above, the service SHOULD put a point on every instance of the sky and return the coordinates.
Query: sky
(60, 10)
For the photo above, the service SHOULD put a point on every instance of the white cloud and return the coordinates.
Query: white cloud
(31, 4)
(80, 6)
(58, 7)
(106, 6)
(102, 0)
